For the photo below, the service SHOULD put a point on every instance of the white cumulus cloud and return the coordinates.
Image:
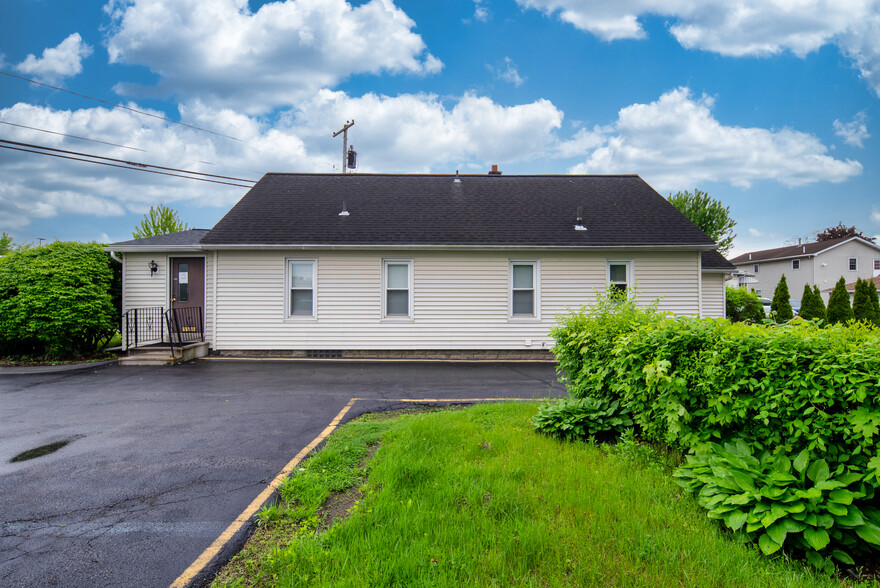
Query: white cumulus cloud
(227, 55)
(745, 27)
(676, 142)
(855, 131)
(507, 72)
(59, 62)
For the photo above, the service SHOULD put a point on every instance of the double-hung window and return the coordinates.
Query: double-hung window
(301, 274)
(853, 264)
(523, 288)
(795, 264)
(619, 276)
(397, 276)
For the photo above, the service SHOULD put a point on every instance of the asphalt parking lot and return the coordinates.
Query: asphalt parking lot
(160, 460)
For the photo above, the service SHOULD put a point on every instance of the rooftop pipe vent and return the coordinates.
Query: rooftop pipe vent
(579, 226)
(344, 210)
(457, 179)
(495, 171)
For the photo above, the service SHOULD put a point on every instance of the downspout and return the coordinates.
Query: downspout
(113, 256)
(700, 284)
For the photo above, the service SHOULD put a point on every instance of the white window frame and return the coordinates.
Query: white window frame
(409, 268)
(536, 289)
(629, 273)
(288, 296)
(877, 264)
(795, 264)
(849, 264)
(755, 268)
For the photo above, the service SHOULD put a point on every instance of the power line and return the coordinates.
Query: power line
(130, 165)
(133, 163)
(118, 106)
(72, 136)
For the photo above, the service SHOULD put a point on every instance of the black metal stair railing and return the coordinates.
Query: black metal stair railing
(142, 326)
(185, 325)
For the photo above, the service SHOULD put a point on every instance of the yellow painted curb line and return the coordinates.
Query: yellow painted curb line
(205, 558)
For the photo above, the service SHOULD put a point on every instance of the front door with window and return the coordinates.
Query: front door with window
(188, 294)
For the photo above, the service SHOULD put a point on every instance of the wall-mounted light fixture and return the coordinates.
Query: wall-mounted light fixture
(154, 267)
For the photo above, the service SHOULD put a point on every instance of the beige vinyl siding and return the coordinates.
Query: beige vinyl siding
(140, 289)
(461, 300)
(713, 295)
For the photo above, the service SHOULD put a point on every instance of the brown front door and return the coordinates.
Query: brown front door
(188, 293)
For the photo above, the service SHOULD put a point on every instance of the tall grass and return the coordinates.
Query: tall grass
(476, 498)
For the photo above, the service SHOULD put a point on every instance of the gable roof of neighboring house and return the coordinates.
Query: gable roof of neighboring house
(478, 211)
(713, 261)
(793, 251)
(182, 240)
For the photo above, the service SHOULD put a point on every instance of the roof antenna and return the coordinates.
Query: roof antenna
(580, 220)
(344, 210)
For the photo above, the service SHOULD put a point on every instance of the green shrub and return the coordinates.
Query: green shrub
(743, 306)
(55, 300)
(812, 307)
(839, 309)
(585, 340)
(864, 308)
(582, 418)
(780, 307)
(801, 505)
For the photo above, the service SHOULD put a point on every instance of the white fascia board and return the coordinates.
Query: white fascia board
(850, 240)
(154, 249)
(398, 247)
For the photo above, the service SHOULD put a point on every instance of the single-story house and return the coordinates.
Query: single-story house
(851, 289)
(819, 263)
(390, 265)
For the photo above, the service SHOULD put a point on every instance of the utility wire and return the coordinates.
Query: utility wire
(132, 163)
(122, 166)
(118, 105)
(72, 136)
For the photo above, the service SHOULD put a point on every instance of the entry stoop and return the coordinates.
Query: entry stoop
(162, 355)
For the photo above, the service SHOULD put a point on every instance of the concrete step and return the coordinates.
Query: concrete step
(149, 358)
(162, 355)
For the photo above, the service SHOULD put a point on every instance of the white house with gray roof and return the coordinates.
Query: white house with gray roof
(375, 265)
(819, 263)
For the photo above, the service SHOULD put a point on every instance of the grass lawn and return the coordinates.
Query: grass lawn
(475, 498)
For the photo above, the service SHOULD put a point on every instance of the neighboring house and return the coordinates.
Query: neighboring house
(820, 263)
(423, 265)
(851, 289)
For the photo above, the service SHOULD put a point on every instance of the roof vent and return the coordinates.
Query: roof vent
(457, 179)
(580, 220)
(495, 171)
(344, 210)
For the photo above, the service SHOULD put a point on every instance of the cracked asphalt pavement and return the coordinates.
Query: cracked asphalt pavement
(162, 459)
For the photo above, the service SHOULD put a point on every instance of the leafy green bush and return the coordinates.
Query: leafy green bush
(743, 306)
(585, 340)
(812, 307)
(55, 300)
(863, 307)
(582, 418)
(800, 504)
(839, 309)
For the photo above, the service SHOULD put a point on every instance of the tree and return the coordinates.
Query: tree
(161, 220)
(743, 306)
(839, 232)
(820, 304)
(780, 308)
(839, 309)
(863, 307)
(5, 243)
(709, 214)
(875, 300)
(807, 304)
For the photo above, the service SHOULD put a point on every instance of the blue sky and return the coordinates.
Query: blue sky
(771, 107)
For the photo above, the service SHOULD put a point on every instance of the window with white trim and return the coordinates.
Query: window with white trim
(853, 264)
(523, 288)
(877, 264)
(301, 280)
(795, 264)
(755, 268)
(397, 278)
(619, 275)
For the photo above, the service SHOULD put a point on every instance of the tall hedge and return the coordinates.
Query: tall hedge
(56, 300)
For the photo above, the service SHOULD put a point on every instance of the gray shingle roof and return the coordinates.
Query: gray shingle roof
(303, 209)
(712, 260)
(182, 238)
(789, 251)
